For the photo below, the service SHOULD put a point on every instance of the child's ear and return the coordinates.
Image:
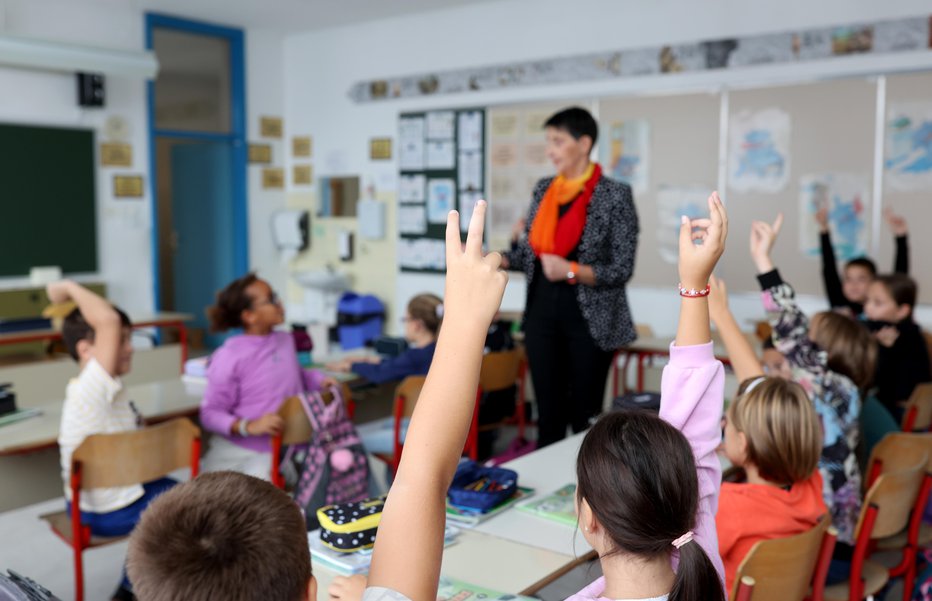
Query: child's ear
(83, 349)
(743, 446)
(903, 311)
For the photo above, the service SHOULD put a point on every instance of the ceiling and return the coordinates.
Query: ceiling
(293, 15)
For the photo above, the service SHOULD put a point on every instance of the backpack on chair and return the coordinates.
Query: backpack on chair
(332, 467)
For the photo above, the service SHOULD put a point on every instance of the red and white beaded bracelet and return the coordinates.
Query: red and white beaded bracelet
(693, 293)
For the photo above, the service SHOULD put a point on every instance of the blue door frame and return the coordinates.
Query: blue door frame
(236, 137)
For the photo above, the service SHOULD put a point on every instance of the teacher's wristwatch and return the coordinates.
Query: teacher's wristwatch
(573, 272)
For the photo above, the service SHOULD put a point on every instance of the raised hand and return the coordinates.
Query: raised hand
(697, 261)
(821, 218)
(58, 292)
(474, 284)
(896, 223)
(718, 300)
(763, 237)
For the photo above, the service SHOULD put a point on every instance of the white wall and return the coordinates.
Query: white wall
(321, 66)
(124, 226)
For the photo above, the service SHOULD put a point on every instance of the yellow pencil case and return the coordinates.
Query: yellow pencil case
(350, 527)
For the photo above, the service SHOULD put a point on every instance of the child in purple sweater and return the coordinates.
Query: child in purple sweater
(249, 377)
(647, 488)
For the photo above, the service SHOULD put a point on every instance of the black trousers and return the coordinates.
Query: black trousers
(568, 369)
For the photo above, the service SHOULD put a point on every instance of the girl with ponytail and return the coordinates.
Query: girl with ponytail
(647, 486)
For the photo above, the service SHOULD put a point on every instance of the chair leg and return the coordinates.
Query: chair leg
(909, 578)
(78, 573)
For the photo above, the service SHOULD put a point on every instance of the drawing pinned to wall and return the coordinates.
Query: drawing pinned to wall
(672, 203)
(469, 131)
(626, 152)
(909, 146)
(440, 198)
(846, 198)
(422, 254)
(412, 219)
(759, 145)
(504, 125)
(412, 188)
(411, 148)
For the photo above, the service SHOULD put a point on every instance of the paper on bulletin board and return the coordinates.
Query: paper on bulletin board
(504, 124)
(440, 198)
(470, 131)
(470, 171)
(412, 188)
(422, 253)
(503, 156)
(759, 150)
(847, 198)
(411, 150)
(626, 153)
(909, 146)
(440, 125)
(412, 219)
(672, 203)
(441, 155)
(468, 202)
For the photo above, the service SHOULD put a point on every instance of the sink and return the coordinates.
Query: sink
(323, 280)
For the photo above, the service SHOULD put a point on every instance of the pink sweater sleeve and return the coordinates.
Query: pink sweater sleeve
(222, 394)
(692, 399)
(313, 379)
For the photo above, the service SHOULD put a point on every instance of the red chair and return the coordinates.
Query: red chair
(500, 371)
(917, 415)
(121, 459)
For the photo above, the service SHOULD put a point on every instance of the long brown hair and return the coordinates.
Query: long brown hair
(637, 473)
(428, 309)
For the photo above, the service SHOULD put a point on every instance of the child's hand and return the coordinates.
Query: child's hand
(718, 299)
(348, 588)
(896, 222)
(698, 260)
(269, 424)
(763, 236)
(475, 284)
(58, 292)
(887, 335)
(821, 218)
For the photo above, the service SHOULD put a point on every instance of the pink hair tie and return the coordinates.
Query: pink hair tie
(688, 537)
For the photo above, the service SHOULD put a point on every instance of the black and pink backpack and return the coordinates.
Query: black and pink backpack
(332, 467)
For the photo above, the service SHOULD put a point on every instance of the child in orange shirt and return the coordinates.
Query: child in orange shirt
(773, 433)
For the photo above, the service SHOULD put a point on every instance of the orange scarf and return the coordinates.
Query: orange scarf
(543, 237)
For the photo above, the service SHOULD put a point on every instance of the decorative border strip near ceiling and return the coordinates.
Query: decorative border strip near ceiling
(901, 35)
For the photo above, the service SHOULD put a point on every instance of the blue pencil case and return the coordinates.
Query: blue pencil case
(481, 488)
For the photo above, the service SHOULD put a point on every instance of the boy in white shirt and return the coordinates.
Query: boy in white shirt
(99, 337)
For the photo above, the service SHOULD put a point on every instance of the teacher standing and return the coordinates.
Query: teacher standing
(578, 254)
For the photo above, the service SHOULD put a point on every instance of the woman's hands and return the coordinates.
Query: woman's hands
(763, 237)
(555, 267)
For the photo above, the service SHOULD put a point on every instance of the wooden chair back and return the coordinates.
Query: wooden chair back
(893, 495)
(897, 451)
(917, 415)
(127, 458)
(297, 428)
(406, 395)
(783, 568)
(500, 370)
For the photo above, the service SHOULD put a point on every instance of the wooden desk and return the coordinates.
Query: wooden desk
(151, 320)
(486, 561)
(157, 401)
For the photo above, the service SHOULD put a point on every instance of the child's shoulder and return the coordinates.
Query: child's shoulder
(93, 383)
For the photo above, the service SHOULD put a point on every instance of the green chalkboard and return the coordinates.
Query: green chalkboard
(48, 208)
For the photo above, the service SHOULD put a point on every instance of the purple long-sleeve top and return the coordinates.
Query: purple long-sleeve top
(692, 399)
(248, 377)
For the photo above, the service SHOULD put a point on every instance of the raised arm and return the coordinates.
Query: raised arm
(409, 545)
(744, 360)
(900, 231)
(100, 315)
(833, 287)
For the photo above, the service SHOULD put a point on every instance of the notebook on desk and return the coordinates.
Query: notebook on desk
(18, 416)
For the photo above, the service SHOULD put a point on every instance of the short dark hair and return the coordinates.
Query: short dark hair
(863, 262)
(227, 312)
(638, 475)
(224, 535)
(576, 121)
(901, 287)
(75, 329)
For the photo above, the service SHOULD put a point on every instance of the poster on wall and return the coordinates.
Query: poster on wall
(411, 151)
(759, 150)
(440, 196)
(908, 146)
(846, 199)
(672, 203)
(626, 153)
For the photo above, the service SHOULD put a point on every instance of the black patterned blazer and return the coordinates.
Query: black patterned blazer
(608, 245)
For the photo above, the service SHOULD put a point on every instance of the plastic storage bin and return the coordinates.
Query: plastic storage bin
(359, 320)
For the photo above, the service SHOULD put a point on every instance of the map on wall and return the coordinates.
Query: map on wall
(625, 153)
(758, 150)
(909, 146)
(846, 198)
